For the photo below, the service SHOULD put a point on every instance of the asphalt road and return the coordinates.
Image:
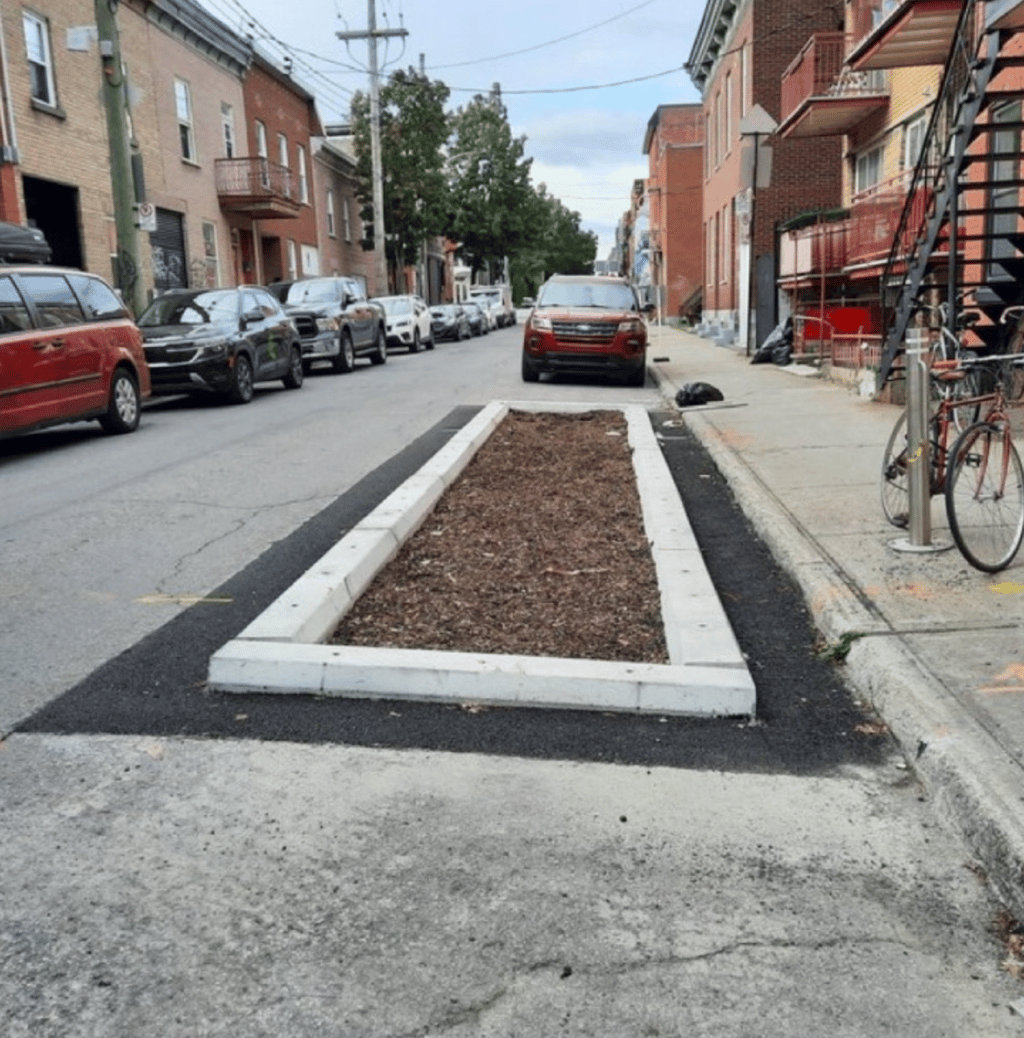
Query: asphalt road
(179, 863)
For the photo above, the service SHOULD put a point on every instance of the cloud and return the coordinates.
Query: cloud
(585, 138)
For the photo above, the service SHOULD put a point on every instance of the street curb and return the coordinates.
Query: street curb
(960, 765)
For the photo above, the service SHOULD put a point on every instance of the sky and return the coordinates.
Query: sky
(585, 144)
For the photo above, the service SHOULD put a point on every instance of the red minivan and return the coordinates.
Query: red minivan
(69, 352)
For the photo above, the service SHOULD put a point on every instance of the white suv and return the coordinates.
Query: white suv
(408, 322)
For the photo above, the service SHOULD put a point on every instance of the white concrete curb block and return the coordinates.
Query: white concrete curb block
(280, 650)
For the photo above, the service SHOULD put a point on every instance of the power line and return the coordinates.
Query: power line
(548, 43)
(571, 90)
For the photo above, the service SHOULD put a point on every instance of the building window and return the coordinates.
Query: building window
(261, 139)
(868, 170)
(227, 121)
(744, 78)
(282, 151)
(303, 182)
(293, 263)
(718, 127)
(913, 141)
(331, 229)
(726, 245)
(707, 145)
(728, 112)
(183, 108)
(210, 254)
(346, 220)
(40, 61)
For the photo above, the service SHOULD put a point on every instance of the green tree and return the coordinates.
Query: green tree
(413, 130)
(489, 181)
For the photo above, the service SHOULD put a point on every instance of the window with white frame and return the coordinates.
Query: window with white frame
(300, 152)
(913, 141)
(40, 58)
(346, 220)
(227, 121)
(293, 262)
(744, 78)
(728, 113)
(183, 110)
(867, 170)
(726, 245)
(261, 152)
(282, 151)
(718, 127)
(331, 227)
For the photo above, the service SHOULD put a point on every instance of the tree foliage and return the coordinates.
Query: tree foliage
(489, 182)
(413, 130)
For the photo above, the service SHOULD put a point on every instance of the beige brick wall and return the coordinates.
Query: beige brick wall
(68, 146)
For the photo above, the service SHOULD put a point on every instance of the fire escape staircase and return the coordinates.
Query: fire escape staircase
(974, 195)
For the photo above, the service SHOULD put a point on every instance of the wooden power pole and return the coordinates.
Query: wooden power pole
(371, 35)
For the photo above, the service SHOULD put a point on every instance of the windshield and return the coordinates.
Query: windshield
(612, 295)
(192, 308)
(316, 290)
(395, 306)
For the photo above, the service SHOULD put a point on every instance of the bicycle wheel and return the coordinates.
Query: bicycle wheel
(895, 476)
(985, 496)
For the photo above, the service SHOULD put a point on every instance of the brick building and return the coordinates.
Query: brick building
(674, 144)
(737, 61)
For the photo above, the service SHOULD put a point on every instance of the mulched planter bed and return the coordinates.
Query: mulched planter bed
(538, 549)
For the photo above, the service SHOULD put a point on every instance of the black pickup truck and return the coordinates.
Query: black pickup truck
(336, 321)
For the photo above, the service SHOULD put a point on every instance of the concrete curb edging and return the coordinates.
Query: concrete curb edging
(282, 650)
(950, 752)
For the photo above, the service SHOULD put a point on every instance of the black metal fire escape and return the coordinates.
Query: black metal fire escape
(966, 188)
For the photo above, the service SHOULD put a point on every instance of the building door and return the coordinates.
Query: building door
(168, 245)
(53, 209)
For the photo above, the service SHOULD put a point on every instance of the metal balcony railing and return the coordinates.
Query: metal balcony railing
(256, 184)
(821, 248)
(885, 219)
(813, 72)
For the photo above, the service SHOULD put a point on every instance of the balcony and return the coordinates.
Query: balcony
(875, 219)
(812, 252)
(903, 33)
(261, 189)
(821, 98)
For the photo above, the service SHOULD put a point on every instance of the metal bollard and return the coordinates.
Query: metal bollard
(919, 488)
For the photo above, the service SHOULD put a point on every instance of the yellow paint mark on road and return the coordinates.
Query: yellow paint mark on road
(182, 600)
(1008, 587)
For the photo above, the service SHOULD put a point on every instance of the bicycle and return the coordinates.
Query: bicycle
(981, 477)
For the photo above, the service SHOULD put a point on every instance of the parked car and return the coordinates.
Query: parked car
(497, 300)
(336, 321)
(69, 352)
(586, 325)
(479, 322)
(449, 321)
(220, 340)
(408, 322)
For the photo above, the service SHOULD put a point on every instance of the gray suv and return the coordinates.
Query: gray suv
(336, 321)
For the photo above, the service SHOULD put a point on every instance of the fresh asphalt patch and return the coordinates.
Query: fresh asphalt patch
(807, 720)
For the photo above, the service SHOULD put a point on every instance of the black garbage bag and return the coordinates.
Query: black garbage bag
(697, 393)
(777, 348)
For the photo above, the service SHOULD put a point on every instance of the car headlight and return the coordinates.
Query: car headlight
(212, 349)
(541, 324)
(327, 324)
(632, 326)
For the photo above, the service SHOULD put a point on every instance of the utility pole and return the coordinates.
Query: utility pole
(371, 36)
(121, 180)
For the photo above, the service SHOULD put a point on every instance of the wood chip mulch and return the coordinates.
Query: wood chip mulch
(538, 549)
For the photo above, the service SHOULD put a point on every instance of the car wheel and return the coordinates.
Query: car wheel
(346, 358)
(430, 341)
(637, 378)
(379, 355)
(242, 382)
(415, 346)
(293, 380)
(530, 373)
(124, 409)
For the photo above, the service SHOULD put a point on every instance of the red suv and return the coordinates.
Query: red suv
(69, 351)
(586, 325)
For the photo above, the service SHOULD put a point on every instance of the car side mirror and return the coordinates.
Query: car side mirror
(649, 309)
(252, 316)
